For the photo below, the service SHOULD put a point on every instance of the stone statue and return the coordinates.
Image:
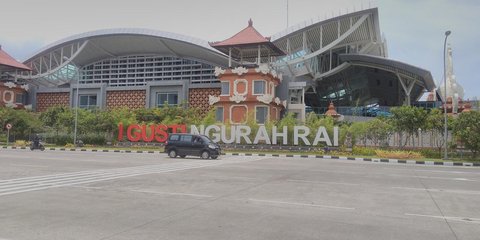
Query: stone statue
(454, 89)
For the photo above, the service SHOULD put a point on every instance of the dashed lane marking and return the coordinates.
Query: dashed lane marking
(440, 190)
(299, 204)
(458, 219)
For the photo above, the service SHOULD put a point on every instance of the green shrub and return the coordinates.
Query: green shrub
(60, 140)
(363, 151)
(430, 153)
(398, 154)
(93, 139)
(20, 143)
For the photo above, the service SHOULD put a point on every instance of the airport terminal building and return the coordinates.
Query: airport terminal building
(343, 60)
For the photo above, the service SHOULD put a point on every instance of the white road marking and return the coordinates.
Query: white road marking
(429, 177)
(440, 171)
(440, 190)
(445, 178)
(148, 191)
(459, 219)
(231, 177)
(88, 187)
(28, 165)
(299, 204)
(173, 193)
(320, 182)
(27, 184)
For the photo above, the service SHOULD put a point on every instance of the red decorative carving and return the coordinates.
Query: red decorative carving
(46, 100)
(132, 99)
(198, 98)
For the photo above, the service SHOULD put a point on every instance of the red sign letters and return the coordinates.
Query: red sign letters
(158, 133)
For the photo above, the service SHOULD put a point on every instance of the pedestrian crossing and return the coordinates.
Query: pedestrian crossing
(35, 183)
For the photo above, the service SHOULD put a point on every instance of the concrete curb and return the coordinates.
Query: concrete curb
(373, 160)
(86, 150)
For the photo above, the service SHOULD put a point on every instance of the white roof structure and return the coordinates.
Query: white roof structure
(327, 48)
(85, 48)
(323, 53)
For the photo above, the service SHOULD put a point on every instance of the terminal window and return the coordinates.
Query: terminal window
(259, 87)
(170, 98)
(219, 114)
(225, 88)
(261, 114)
(88, 101)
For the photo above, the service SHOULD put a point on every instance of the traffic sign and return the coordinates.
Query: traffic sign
(8, 126)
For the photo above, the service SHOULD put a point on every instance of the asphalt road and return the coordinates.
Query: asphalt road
(87, 195)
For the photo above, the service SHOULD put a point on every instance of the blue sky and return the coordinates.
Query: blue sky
(414, 29)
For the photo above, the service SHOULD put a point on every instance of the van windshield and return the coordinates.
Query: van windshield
(205, 139)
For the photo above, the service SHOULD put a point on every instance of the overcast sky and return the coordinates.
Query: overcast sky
(414, 29)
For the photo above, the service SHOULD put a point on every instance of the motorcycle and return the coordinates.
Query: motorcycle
(37, 145)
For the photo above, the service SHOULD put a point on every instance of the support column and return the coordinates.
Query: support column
(258, 55)
(321, 36)
(229, 57)
(407, 87)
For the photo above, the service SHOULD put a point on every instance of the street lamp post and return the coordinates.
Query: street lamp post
(447, 33)
(77, 76)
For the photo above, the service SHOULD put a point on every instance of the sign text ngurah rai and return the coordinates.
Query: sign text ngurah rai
(235, 134)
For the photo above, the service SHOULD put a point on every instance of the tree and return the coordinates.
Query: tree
(379, 131)
(51, 118)
(435, 124)
(407, 120)
(24, 122)
(466, 128)
(288, 120)
(314, 121)
(358, 132)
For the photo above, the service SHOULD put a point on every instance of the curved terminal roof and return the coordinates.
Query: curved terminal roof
(88, 47)
(423, 76)
(360, 26)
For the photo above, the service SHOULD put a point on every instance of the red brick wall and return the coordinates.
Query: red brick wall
(46, 100)
(132, 99)
(198, 98)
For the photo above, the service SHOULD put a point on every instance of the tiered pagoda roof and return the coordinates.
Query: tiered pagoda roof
(9, 64)
(245, 44)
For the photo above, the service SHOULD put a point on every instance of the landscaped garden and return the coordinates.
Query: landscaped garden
(396, 136)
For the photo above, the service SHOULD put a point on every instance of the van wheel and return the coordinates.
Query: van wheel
(183, 156)
(214, 157)
(172, 154)
(205, 155)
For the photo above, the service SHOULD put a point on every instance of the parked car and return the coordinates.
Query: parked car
(183, 144)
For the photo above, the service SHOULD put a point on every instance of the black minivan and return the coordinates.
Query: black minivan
(183, 144)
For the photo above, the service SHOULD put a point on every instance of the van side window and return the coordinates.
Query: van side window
(174, 137)
(197, 140)
(186, 138)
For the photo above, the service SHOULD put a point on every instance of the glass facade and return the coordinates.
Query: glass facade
(359, 86)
